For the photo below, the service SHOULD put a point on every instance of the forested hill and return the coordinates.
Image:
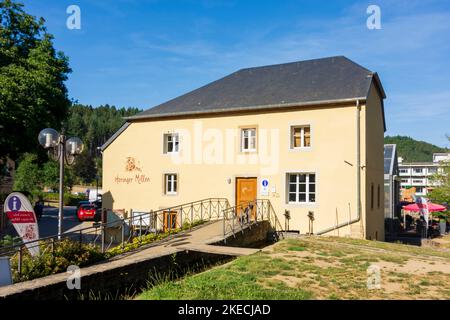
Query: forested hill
(412, 150)
(94, 126)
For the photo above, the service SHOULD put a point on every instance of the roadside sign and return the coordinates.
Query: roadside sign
(20, 212)
(264, 187)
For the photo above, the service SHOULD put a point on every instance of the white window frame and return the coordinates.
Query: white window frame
(249, 137)
(174, 141)
(432, 170)
(297, 188)
(170, 183)
(302, 136)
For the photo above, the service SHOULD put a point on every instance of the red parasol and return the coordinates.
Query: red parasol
(417, 207)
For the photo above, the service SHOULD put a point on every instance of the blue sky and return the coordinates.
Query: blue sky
(143, 52)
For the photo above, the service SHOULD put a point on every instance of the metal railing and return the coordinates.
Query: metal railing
(246, 214)
(134, 227)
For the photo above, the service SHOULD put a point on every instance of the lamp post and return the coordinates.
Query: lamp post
(63, 150)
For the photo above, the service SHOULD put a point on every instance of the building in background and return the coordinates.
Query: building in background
(391, 187)
(418, 174)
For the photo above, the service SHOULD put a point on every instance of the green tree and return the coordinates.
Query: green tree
(50, 176)
(94, 126)
(442, 179)
(28, 175)
(412, 150)
(85, 168)
(32, 75)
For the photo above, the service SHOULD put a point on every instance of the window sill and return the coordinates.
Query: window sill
(302, 149)
(301, 204)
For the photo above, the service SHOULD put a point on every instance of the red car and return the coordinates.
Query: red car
(86, 212)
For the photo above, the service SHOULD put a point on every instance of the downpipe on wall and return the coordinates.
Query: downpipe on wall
(358, 176)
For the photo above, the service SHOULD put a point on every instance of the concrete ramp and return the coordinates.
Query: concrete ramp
(229, 251)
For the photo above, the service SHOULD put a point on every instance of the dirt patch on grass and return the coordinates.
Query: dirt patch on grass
(417, 267)
(335, 269)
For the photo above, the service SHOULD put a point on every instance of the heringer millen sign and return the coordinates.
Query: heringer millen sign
(20, 212)
(134, 173)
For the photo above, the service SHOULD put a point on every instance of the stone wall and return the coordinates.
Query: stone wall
(256, 236)
(115, 282)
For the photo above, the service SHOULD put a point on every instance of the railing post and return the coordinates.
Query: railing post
(262, 210)
(123, 234)
(192, 215)
(201, 211)
(53, 247)
(223, 214)
(103, 230)
(181, 217)
(19, 263)
(210, 214)
(232, 223)
(218, 207)
(140, 228)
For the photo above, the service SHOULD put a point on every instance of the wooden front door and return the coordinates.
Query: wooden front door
(170, 220)
(246, 191)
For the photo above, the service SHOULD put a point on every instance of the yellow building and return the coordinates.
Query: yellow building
(306, 135)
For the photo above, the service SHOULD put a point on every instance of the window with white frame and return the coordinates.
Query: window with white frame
(432, 170)
(170, 183)
(248, 140)
(300, 137)
(301, 187)
(403, 170)
(171, 143)
(418, 170)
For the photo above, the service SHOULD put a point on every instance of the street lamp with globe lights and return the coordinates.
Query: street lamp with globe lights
(63, 150)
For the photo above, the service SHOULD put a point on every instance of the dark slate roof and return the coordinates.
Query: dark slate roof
(310, 82)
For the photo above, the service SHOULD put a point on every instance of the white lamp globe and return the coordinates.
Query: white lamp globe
(48, 138)
(74, 146)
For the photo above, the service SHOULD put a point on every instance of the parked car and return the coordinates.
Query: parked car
(82, 203)
(87, 212)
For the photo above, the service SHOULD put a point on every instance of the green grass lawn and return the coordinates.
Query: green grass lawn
(318, 268)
